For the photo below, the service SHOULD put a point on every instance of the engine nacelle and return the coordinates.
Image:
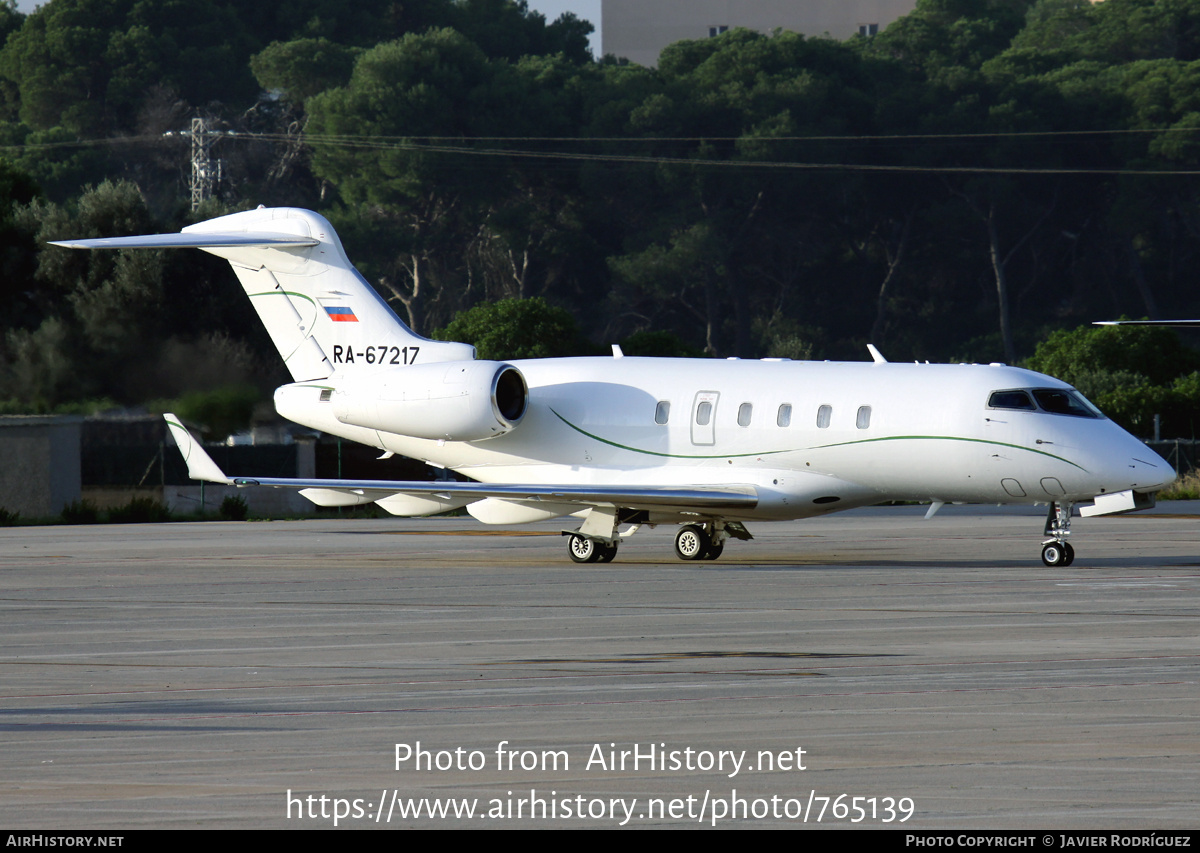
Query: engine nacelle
(452, 400)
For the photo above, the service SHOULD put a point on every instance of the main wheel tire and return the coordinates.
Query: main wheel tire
(1055, 554)
(607, 552)
(692, 542)
(1070, 554)
(714, 551)
(583, 550)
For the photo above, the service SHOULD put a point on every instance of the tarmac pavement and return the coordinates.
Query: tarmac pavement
(930, 674)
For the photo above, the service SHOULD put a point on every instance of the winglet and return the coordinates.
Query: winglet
(200, 465)
(876, 355)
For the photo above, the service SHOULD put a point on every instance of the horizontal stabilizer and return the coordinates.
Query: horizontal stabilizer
(238, 239)
(1178, 324)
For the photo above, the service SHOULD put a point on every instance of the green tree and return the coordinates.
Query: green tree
(507, 29)
(439, 210)
(433, 85)
(715, 240)
(1133, 373)
(86, 65)
(658, 345)
(10, 18)
(517, 328)
(1153, 352)
(100, 309)
(301, 68)
(38, 367)
(360, 24)
(948, 41)
(17, 247)
(221, 411)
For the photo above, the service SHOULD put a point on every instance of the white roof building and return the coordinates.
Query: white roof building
(638, 30)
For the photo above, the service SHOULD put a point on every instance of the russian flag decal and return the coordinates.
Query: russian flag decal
(340, 314)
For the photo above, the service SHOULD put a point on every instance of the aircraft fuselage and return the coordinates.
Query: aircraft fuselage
(811, 437)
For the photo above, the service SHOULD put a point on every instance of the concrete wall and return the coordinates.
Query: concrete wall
(189, 497)
(639, 29)
(206, 498)
(195, 498)
(39, 463)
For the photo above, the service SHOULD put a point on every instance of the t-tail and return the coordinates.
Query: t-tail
(321, 314)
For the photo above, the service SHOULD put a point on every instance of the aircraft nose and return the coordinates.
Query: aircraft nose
(1146, 470)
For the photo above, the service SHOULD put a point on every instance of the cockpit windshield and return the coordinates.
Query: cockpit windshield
(1056, 401)
(1011, 400)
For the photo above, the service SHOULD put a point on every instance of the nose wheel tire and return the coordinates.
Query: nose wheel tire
(1058, 554)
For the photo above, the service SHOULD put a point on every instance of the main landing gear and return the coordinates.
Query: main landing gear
(695, 541)
(585, 550)
(699, 542)
(1056, 551)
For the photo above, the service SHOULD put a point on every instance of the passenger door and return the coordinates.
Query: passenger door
(704, 418)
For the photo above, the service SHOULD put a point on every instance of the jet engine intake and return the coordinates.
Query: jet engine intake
(451, 401)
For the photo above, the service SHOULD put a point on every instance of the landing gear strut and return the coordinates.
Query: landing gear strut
(1056, 551)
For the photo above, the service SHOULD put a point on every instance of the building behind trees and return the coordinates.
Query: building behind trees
(638, 30)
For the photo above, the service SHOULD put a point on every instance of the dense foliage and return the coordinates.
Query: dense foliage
(1131, 372)
(976, 176)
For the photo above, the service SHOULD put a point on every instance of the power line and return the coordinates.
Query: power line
(397, 143)
(767, 164)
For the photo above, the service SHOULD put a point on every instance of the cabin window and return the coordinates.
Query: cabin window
(662, 412)
(1011, 400)
(863, 421)
(704, 413)
(745, 412)
(784, 417)
(823, 415)
(326, 395)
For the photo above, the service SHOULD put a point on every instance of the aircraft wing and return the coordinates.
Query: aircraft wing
(640, 497)
(1178, 324)
(325, 492)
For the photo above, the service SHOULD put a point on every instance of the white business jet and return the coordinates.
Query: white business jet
(621, 442)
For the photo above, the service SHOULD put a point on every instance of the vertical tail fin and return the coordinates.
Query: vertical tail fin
(320, 312)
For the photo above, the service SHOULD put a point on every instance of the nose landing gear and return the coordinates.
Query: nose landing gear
(1056, 551)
